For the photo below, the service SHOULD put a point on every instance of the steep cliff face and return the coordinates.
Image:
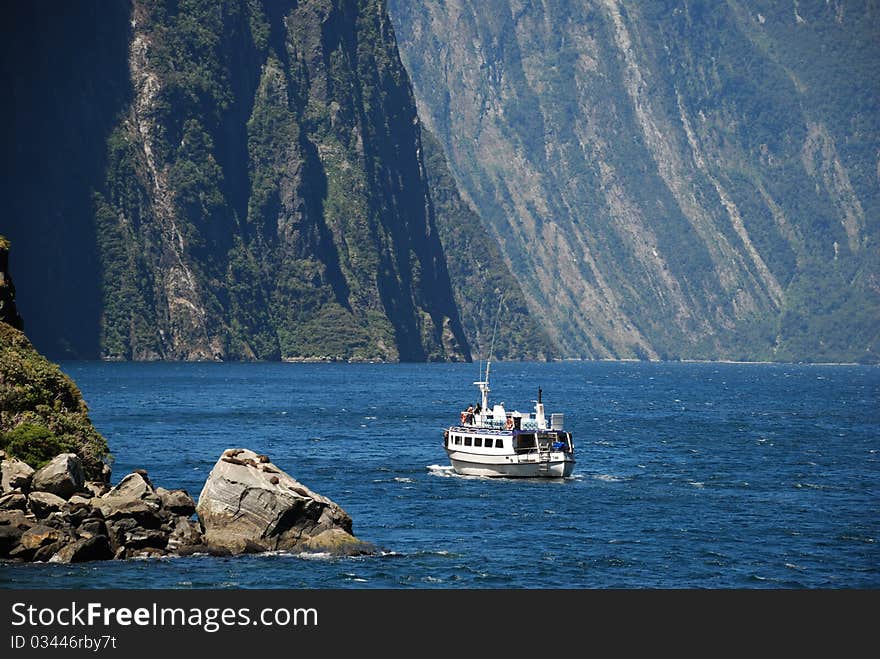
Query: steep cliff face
(495, 314)
(64, 77)
(266, 195)
(688, 180)
(8, 309)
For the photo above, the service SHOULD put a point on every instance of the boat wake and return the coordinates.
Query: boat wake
(447, 471)
(609, 478)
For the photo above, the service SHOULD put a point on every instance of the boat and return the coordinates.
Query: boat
(495, 442)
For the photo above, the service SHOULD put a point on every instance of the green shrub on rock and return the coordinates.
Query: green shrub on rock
(32, 443)
(42, 412)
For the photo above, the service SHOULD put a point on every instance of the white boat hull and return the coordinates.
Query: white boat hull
(556, 465)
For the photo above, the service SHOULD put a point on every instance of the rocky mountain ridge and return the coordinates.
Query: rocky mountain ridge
(668, 180)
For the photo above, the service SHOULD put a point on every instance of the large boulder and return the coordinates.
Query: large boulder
(250, 505)
(15, 475)
(13, 524)
(43, 504)
(40, 536)
(62, 476)
(134, 486)
(94, 548)
(133, 497)
(186, 536)
(178, 502)
(13, 501)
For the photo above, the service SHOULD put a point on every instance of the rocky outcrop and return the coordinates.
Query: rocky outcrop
(250, 505)
(247, 505)
(64, 520)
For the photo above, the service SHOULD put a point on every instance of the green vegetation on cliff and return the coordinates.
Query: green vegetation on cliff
(480, 277)
(42, 413)
(265, 196)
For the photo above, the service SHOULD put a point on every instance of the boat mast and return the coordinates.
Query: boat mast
(484, 383)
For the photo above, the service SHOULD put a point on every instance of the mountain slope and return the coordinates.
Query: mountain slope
(494, 313)
(677, 181)
(265, 194)
(63, 68)
(234, 180)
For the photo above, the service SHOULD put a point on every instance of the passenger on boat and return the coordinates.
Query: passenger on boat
(467, 417)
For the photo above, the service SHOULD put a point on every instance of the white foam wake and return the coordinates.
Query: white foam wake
(447, 471)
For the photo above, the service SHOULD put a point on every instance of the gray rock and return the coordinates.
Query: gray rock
(116, 531)
(42, 504)
(91, 526)
(40, 536)
(45, 554)
(62, 476)
(13, 501)
(134, 497)
(139, 538)
(15, 475)
(80, 500)
(249, 504)
(134, 486)
(178, 502)
(145, 512)
(96, 548)
(187, 533)
(97, 488)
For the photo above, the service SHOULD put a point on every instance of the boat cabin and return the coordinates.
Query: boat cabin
(513, 441)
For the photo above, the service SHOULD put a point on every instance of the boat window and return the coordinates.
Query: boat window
(478, 441)
(524, 442)
(499, 443)
(467, 441)
(457, 440)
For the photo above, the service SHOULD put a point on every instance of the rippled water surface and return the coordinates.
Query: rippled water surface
(688, 475)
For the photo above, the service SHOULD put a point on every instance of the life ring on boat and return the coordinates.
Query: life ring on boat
(463, 417)
(509, 423)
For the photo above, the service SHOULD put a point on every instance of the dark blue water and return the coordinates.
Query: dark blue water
(688, 475)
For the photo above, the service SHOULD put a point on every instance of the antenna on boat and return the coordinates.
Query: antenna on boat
(494, 331)
(484, 383)
(480, 361)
